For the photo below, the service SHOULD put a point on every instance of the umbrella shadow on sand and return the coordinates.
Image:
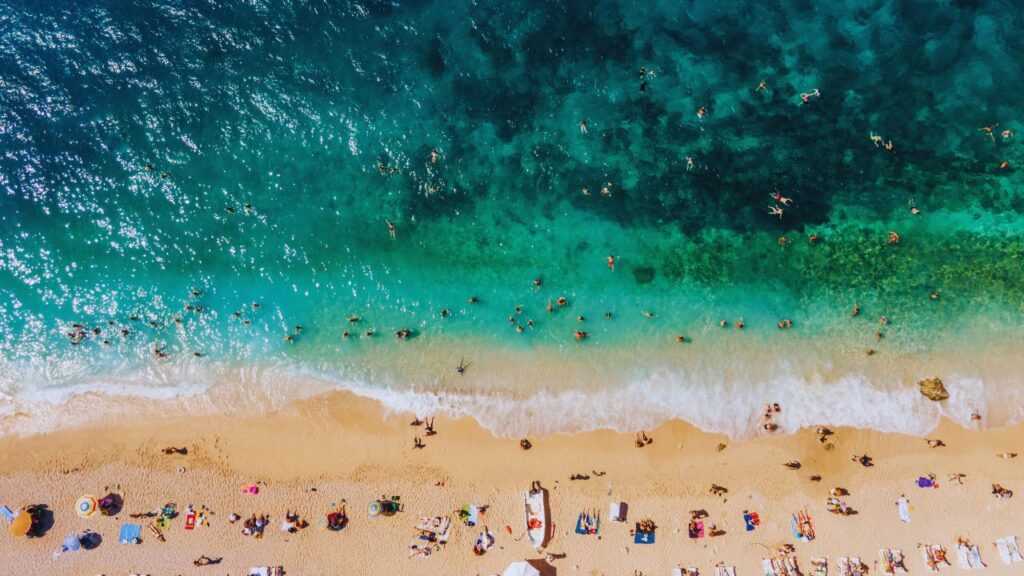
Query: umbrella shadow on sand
(543, 567)
(42, 520)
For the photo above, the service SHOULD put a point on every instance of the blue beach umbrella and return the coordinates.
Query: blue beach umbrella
(71, 543)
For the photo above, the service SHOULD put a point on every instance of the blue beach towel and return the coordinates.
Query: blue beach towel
(581, 527)
(474, 515)
(130, 533)
(749, 522)
(643, 538)
(7, 513)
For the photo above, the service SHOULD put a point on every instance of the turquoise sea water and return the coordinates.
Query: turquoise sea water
(159, 157)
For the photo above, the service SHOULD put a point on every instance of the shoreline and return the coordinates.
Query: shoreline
(350, 447)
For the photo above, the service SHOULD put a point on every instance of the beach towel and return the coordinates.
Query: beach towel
(190, 520)
(130, 533)
(974, 557)
(748, 519)
(696, 529)
(794, 524)
(474, 515)
(725, 571)
(924, 482)
(8, 514)
(643, 537)
(582, 524)
(768, 567)
(904, 507)
(617, 511)
(1011, 544)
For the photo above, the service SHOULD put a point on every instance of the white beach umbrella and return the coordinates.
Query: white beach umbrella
(521, 569)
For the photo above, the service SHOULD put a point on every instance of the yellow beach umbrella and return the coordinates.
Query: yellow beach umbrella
(21, 524)
(86, 506)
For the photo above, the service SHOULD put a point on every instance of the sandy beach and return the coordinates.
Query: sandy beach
(317, 452)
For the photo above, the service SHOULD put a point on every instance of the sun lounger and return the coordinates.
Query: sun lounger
(1011, 545)
(974, 558)
(769, 568)
(617, 511)
(267, 571)
(844, 566)
(790, 566)
(962, 553)
(8, 514)
(819, 566)
(885, 556)
(725, 571)
(896, 558)
(857, 567)
(1004, 551)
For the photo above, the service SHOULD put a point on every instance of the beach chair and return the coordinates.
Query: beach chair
(857, 568)
(130, 533)
(819, 566)
(844, 566)
(885, 556)
(768, 567)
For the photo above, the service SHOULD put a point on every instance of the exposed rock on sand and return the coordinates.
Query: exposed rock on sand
(933, 389)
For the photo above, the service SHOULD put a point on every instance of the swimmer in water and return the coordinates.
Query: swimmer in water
(583, 126)
(606, 190)
(434, 156)
(561, 301)
(702, 112)
(806, 96)
(761, 86)
(855, 311)
(775, 211)
(893, 238)
(579, 334)
(611, 263)
(781, 199)
(648, 314)
(875, 139)
(586, 191)
(988, 131)
(391, 228)
(913, 209)
(1007, 134)
(689, 163)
